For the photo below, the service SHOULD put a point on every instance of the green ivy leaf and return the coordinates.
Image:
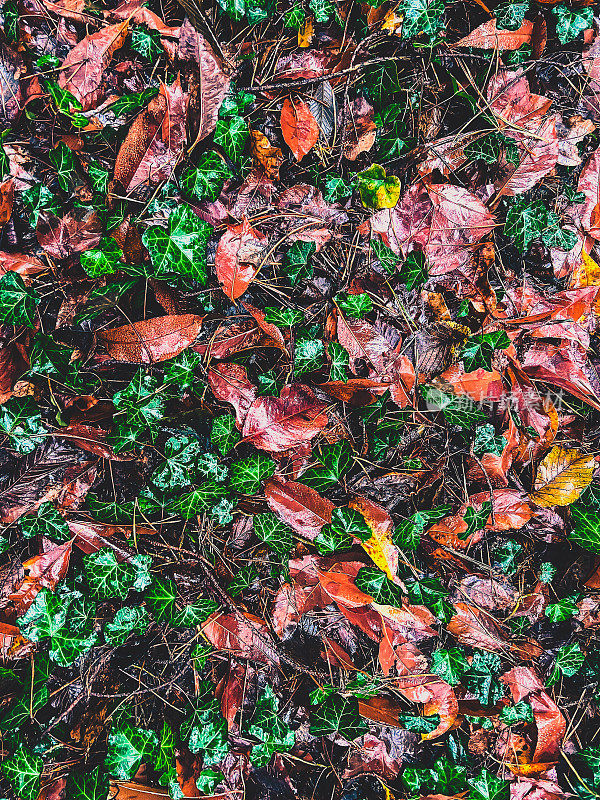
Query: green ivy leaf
(23, 771)
(456, 410)
(569, 660)
(205, 182)
(63, 161)
(450, 664)
(520, 712)
(376, 583)
(146, 43)
(130, 103)
(491, 147)
(480, 349)
(355, 305)
(89, 785)
(127, 748)
(224, 434)
(486, 786)
(510, 15)
(276, 534)
(162, 598)
(269, 728)
(248, 474)
(202, 498)
(480, 678)
(335, 460)
(39, 198)
(421, 17)
(296, 262)
(284, 317)
(21, 421)
(231, 134)
(385, 255)
(413, 271)
(572, 21)
(338, 370)
(419, 724)
(429, 592)
(586, 528)
(195, 613)
(180, 249)
(109, 578)
(209, 736)
(17, 302)
(563, 610)
(378, 190)
(48, 521)
(407, 535)
(308, 355)
(181, 455)
(128, 620)
(338, 715)
(102, 260)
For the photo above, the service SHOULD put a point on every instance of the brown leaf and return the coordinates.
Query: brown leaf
(91, 536)
(134, 11)
(212, 81)
(539, 156)
(83, 68)
(155, 140)
(12, 362)
(360, 130)
(7, 195)
(229, 383)
(488, 37)
(244, 635)
(152, 340)
(299, 127)
(91, 439)
(238, 258)
(25, 265)
(266, 157)
(299, 506)
(77, 231)
(43, 571)
(276, 424)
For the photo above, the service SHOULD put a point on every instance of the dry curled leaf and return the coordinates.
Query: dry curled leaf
(151, 340)
(562, 476)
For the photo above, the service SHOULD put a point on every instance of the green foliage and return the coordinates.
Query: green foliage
(346, 523)
(491, 147)
(413, 270)
(476, 519)
(208, 734)
(205, 181)
(419, 724)
(162, 598)
(355, 305)
(231, 135)
(586, 528)
(140, 407)
(443, 778)
(340, 361)
(430, 592)
(308, 355)
(17, 302)
(180, 249)
(63, 161)
(284, 317)
(421, 18)
(23, 771)
(102, 260)
(39, 198)
(510, 15)
(181, 454)
(570, 22)
(128, 620)
(48, 521)
(569, 661)
(66, 618)
(224, 434)
(377, 189)
(481, 677)
(88, 785)
(109, 578)
(486, 441)
(146, 43)
(180, 371)
(338, 715)
(459, 410)
(527, 221)
(564, 609)
(130, 103)
(273, 733)
(21, 421)
(486, 786)
(480, 349)
(334, 462)
(385, 255)
(450, 664)
(248, 474)
(520, 712)
(127, 748)
(296, 262)
(376, 583)
(276, 534)
(408, 534)
(505, 555)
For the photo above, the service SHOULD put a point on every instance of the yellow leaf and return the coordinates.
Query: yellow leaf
(306, 32)
(379, 547)
(586, 273)
(562, 476)
(392, 22)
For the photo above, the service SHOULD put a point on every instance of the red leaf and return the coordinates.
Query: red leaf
(77, 231)
(82, 70)
(299, 127)
(43, 571)
(298, 506)
(237, 258)
(151, 340)
(25, 265)
(276, 424)
(230, 383)
(488, 37)
(242, 634)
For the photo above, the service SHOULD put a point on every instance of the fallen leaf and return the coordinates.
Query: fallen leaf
(244, 635)
(43, 571)
(151, 340)
(229, 383)
(237, 258)
(488, 37)
(299, 127)
(379, 547)
(562, 476)
(77, 231)
(276, 424)
(299, 506)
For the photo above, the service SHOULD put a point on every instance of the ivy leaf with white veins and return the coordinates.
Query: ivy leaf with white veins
(88, 785)
(21, 421)
(106, 576)
(355, 305)
(338, 715)
(102, 260)
(224, 434)
(17, 303)
(162, 598)
(308, 355)
(128, 620)
(276, 534)
(268, 727)
(180, 249)
(205, 181)
(248, 474)
(47, 522)
(63, 161)
(178, 469)
(340, 362)
(486, 786)
(231, 134)
(569, 660)
(450, 664)
(23, 771)
(376, 583)
(335, 460)
(127, 748)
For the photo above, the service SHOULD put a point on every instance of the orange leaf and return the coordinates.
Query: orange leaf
(488, 37)
(237, 257)
(299, 127)
(152, 340)
(380, 546)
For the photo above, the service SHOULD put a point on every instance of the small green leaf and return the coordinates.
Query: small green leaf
(378, 190)
(308, 355)
(480, 349)
(102, 260)
(338, 370)
(338, 715)
(450, 664)
(48, 521)
(569, 660)
(128, 620)
(248, 474)
(17, 302)
(284, 317)
(273, 733)
(205, 181)
(231, 134)
(335, 460)
(413, 271)
(421, 17)
(586, 528)
(296, 262)
(63, 161)
(127, 748)
(162, 598)
(88, 785)
(179, 249)
(276, 534)
(486, 786)
(572, 21)
(376, 583)
(181, 456)
(564, 609)
(355, 305)
(510, 15)
(23, 771)
(224, 434)
(520, 712)
(21, 421)
(180, 371)
(385, 255)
